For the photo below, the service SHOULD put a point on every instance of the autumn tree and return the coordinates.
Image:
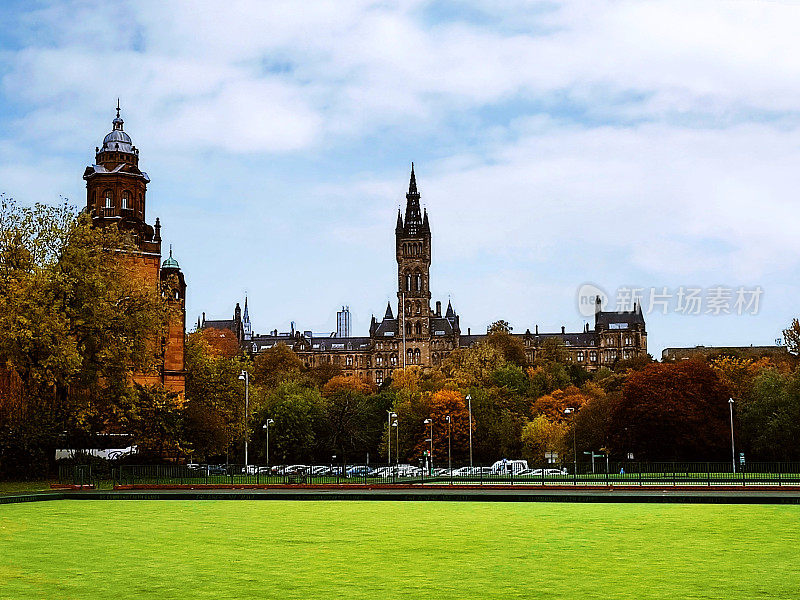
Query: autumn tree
(442, 404)
(470, 367)
(510, 348)
(543, 435)
(275, 365)
(791, 337)
(222, 342)
(76, 321)
(214, 398)
(673, 412)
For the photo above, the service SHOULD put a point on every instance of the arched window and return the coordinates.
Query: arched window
(408, 282)
(419, 282)
(393, 360)
(416, 356)
(108, 199)
(408, 307)
(419, 308)
(126, 200)
(410, 356)
(408, 328)
(418, 328)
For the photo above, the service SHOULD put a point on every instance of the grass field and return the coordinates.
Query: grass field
(353, 550)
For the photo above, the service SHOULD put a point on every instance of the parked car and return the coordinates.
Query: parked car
(359, 471)
(319, 470)
(506, 466)
(295, 470)
(217, 470)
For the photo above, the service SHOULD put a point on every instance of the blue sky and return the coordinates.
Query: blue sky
(627, 144)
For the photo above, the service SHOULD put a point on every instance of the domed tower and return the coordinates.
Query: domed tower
(115, 193)
(116, 188)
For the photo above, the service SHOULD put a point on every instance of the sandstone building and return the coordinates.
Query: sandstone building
(116, 191)
(414, 333)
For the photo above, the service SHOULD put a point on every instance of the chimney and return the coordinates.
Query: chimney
(537, 330)
(438, 308)
(468, 331)
(562, 330)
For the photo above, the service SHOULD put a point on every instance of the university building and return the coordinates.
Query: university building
(414, 333)
(116, 191)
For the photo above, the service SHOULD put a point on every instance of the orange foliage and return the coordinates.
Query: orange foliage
(221, 342)
(443, 403)
(347, 383)
(552, 405)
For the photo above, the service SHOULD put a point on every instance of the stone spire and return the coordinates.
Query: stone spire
(413, 220)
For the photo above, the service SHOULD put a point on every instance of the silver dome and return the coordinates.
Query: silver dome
(117, 140)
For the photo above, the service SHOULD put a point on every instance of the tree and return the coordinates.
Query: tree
(222, 342)
(77, 321)
(770, 416)
(791, 337)
(471, 367)
(442, 404)
(348, 383)
(153, 417)
(543, 435)
(214, 398)
(673, 412)
(298, 413)
(275, 365)
(510, 348)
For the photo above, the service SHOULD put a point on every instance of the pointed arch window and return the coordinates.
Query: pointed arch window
(126, 200)
(408, 328)
(408, 282)
(416, 356)
(419, 282)
(418, 328)
(108, 199)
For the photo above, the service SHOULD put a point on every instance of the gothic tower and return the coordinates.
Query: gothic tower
(413, 251)
(115, 194)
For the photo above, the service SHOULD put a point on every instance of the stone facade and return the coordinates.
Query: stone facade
(116, 191)
(420, 335)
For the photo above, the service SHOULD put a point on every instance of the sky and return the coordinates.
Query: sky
(628, 145)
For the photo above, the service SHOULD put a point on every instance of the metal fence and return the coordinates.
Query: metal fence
(627, 473)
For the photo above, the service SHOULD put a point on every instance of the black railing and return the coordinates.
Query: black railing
(630, 473)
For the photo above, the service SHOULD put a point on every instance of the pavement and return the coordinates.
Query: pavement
(604, 495)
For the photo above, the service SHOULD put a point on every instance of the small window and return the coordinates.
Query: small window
(580, 356)
(108, 199)
(126, 200)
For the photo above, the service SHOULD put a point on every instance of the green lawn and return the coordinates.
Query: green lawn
(306, 550)
(15, 487)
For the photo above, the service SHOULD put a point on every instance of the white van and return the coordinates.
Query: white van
(506, 466)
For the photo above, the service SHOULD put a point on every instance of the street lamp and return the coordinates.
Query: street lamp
(733, 449)
(245, 376)
(469, 407)
(449, 448)
(392, 415)
(430, 422)
(571, 411)
(397, 439)
(266, 429)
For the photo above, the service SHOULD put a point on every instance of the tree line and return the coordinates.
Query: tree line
(75, 323)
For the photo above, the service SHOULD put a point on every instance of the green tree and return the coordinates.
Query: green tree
(275, 365)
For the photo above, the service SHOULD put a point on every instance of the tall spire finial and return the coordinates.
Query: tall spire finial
(118, 108)
(170, 250)
(412, 185)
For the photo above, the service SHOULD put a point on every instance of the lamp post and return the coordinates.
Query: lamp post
(392, 415)
(449, 449)
(571, 411)
(469, 407)
(245, 376)
(733, 449)
(266, 429)
(430, 423)
(397, 439)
